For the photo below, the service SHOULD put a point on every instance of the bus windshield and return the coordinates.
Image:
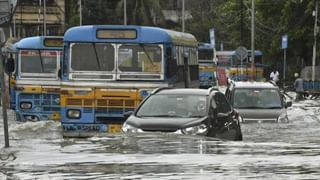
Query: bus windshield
(92, 57)
(205, 55)
(140, 58)
(38, 61)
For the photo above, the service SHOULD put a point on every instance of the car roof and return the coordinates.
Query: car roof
(189, 91)
(254, 84)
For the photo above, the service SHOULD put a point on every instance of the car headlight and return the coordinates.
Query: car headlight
(201, 129)
(127, 128)
(283, 118)
(26, 105)
(73, 113)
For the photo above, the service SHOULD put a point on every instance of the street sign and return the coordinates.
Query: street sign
(212, 38)
(241, 53)
(284, 42)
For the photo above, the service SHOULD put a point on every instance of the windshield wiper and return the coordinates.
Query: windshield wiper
(273, 107)
(160, 116)
(145, 51)
(248, 107)
(97, 57)
(41, 61)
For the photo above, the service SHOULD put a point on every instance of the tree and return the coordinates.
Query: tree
(142, 12)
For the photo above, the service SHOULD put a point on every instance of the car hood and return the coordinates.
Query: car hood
(166, 124)
(260, 114)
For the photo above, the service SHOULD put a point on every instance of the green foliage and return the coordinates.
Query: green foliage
(230, 19)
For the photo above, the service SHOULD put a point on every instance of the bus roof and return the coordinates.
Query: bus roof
(145, 34)
(39, 42)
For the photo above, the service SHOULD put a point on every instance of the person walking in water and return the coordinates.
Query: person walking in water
(298, 86)
(274, 76)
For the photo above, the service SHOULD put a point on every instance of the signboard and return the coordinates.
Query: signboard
(241, 53)
(212, 38)
(284, 42)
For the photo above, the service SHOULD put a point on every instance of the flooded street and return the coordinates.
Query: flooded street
(268, 151)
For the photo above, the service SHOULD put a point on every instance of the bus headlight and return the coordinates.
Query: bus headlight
(73, 113)
(283, 118)
(25, 105)
(127, 128)
(201, 129)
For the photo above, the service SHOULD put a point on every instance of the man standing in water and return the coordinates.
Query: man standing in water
(274, 76)
(298, 86)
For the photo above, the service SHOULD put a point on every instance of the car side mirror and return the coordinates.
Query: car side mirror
(9, 65)
(127, 114)
(288, 104)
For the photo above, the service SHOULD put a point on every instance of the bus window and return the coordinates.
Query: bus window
(140, 58)
(38, 61)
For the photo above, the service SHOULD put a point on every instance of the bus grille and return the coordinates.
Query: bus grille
(101, 102)
(47, 102)
(115, 103)
(74, 102)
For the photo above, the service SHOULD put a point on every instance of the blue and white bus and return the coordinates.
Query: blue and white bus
(35, 85)
(108, 70)
(207, 66)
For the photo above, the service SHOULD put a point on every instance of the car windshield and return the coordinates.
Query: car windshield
(169, 105)
(257, 99)
(38, 61)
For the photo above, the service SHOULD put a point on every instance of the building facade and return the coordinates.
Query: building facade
(38, 17)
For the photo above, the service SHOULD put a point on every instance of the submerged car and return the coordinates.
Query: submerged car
(258, 101)
(185, 111)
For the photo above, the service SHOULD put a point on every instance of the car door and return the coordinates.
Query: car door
(223, 109)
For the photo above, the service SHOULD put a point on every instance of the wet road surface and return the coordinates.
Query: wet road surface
(268, 151)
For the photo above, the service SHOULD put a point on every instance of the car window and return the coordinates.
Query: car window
(222, 104)
(174, 105)
(257, 98)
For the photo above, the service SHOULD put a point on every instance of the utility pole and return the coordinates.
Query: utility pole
(44, 18)
(4, 98)
(315, 32)
(125, 12)
(183, 27)
(6, 12)
(252, 38)
(39, 16)
(80, 12)
(241, 23)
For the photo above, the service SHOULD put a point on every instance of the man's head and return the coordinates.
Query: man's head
(296, 75)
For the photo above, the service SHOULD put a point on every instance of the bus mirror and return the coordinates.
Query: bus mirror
(9, 65)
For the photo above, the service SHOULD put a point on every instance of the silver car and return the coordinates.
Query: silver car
(258, 101)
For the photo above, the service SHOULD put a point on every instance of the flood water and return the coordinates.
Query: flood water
(268, 151)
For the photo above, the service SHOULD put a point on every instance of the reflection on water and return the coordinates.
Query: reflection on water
(269, 151)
